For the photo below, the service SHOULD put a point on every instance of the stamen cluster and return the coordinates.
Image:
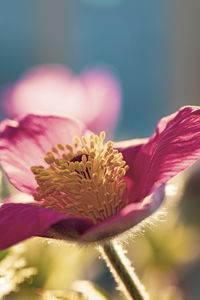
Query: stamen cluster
(83, 181)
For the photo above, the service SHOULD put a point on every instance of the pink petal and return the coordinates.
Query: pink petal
(93, 97)
(19, 198)
(25, 143)
(130, 149)
(104, 100)
(128, 217)
(174, 147)
(21, 221)
(41, 90)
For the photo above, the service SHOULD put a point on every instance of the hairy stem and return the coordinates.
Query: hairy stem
(122, 271)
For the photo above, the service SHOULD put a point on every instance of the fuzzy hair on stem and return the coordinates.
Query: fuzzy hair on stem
(123, 272)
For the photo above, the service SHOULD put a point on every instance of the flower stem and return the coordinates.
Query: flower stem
(123, 272)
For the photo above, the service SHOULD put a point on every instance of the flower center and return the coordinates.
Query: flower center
(84, 181)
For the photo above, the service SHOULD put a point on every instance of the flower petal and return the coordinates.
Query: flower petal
(21, 221)
(130, 149)
(128, 217)
(93, 97)
(19, 198)
(174, 147)
(104, 100)
(25, 143)
(41, 90)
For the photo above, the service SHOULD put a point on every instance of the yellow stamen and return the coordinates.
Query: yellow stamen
(86, 182)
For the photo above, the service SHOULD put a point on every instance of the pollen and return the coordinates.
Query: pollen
(83, 180)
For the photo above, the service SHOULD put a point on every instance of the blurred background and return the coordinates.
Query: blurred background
(152, 48)
(132, 38)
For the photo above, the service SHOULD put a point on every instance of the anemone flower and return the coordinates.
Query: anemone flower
(93, 97)
(82, 189)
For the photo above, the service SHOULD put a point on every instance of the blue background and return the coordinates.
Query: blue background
(130, 37)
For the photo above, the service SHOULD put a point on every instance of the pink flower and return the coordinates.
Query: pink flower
(93, 97)
(88, 191)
